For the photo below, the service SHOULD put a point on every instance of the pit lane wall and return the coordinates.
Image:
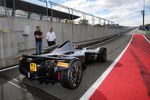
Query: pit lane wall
(17, 35)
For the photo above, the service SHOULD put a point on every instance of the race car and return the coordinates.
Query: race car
(60, 63)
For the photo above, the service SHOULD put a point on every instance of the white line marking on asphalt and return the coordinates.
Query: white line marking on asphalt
(17, 86)
(146, 38)
(104, 41)
(98, 82)
(9, 68)
(110, 39)
(16, 80)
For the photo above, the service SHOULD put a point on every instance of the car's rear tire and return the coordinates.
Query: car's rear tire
(22, 69)
(71, 78)
(102, 55)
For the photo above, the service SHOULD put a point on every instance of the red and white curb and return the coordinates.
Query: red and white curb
(98, 82)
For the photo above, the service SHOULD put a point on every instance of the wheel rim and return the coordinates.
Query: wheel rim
(75, 75)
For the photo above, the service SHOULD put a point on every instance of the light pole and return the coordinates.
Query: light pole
(69, 14)
(143, 12)
(14, 8)
(99, 21)
(46, 7)
(72, 13)
(5, 8)
(51, 10)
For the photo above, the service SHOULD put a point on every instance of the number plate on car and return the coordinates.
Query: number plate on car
(33, 67)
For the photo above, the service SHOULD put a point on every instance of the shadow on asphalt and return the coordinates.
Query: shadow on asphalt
(37, 89)
(39, 92)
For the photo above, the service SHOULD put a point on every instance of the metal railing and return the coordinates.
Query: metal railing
(91, 19)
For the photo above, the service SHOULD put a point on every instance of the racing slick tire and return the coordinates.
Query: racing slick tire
(71, 78)
(102, 55)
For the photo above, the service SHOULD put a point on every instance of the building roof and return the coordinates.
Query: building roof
(33, 8)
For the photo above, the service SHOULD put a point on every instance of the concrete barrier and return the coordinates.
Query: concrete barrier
(17, 35)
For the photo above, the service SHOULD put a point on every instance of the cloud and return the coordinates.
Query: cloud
(124, 12)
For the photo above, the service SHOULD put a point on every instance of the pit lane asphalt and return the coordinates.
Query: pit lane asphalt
(14, 86)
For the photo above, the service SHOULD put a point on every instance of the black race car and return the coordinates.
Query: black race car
(60, 63)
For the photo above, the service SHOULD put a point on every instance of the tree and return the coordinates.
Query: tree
(83, 21)
(99, 25)
(69, 21)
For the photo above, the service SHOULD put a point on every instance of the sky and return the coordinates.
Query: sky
(123, 12)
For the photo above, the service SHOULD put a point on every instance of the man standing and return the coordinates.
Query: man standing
(38, 39)
(50, 37)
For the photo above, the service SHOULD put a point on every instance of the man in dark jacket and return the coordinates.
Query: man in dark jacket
(38, 39)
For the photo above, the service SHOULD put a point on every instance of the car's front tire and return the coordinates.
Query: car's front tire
(71, 78)
(102, 55)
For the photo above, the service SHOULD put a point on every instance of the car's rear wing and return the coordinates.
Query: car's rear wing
(62, 65)
(49, 57)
